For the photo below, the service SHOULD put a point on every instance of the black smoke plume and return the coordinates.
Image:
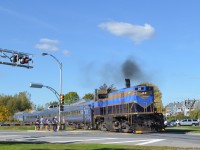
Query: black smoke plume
(131, 70)
(95, 74)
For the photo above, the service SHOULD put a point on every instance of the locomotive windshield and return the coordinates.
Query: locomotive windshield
(102, 96)
(144, 90)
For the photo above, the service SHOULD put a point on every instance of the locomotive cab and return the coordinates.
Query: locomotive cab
(101, 95)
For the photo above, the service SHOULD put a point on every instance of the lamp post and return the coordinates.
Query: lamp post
(39, 85)
(60, 65)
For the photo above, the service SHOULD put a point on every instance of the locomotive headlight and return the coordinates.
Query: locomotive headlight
(144, 93)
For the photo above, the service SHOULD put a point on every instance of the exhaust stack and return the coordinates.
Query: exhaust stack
(128, 83)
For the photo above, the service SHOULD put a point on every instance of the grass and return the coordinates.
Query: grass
(184, 129)
(17, 127)
(23, 146)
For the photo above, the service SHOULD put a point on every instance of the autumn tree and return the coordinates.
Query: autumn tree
(88, 96)
(180, 116)
(157, 97)
(23, 100)
(4, 113)
(18, 102)
(71, 97)
(195, 114)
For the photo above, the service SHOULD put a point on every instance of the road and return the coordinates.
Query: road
(99, 137)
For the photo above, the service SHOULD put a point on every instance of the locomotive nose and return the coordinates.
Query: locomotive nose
(128, 83)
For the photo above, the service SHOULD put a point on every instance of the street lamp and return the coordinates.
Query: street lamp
(36, 85)
(39, 85)
(60, 65)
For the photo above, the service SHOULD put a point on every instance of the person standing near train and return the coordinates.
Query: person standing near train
(47, 124)
(55, 123)
(41, 123)
(37, 123)
(63, 124)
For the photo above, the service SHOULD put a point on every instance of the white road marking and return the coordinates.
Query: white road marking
(151, 141)
(124, 142)
(38, 131)
(7, 135)
(13, 132)
(82, 140)
(54, 137)
(146, 141)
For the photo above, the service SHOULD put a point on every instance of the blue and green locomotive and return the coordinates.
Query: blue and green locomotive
(130, 109)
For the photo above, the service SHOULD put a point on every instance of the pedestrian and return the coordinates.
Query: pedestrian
(55, 122)
(37, 123)
(177, 122)
(199, 121)
(63, 123)
(52, 123)
(47, 124)
(41, 123)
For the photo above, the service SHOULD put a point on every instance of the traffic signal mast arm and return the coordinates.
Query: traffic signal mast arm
(15, 58)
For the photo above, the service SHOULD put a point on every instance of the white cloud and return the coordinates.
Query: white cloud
(65, 53)
(47, 44)
(134, 32)
(49, 41)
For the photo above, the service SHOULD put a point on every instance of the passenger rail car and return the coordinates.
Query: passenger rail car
(78, 115)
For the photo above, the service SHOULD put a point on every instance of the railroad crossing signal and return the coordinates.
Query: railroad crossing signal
(14, 58)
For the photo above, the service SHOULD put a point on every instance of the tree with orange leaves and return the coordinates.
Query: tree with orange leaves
(4, 113)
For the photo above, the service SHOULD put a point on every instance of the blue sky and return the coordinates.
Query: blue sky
(93, 39)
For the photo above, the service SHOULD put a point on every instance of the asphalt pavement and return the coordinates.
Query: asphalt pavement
(99, 137)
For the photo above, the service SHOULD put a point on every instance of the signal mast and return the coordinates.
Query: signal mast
(15, 58)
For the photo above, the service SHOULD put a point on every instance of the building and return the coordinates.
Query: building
(172, 109)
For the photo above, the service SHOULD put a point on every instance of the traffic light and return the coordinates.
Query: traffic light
(62, 97)
(22, 59)
(61, 108)
(13, 59)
